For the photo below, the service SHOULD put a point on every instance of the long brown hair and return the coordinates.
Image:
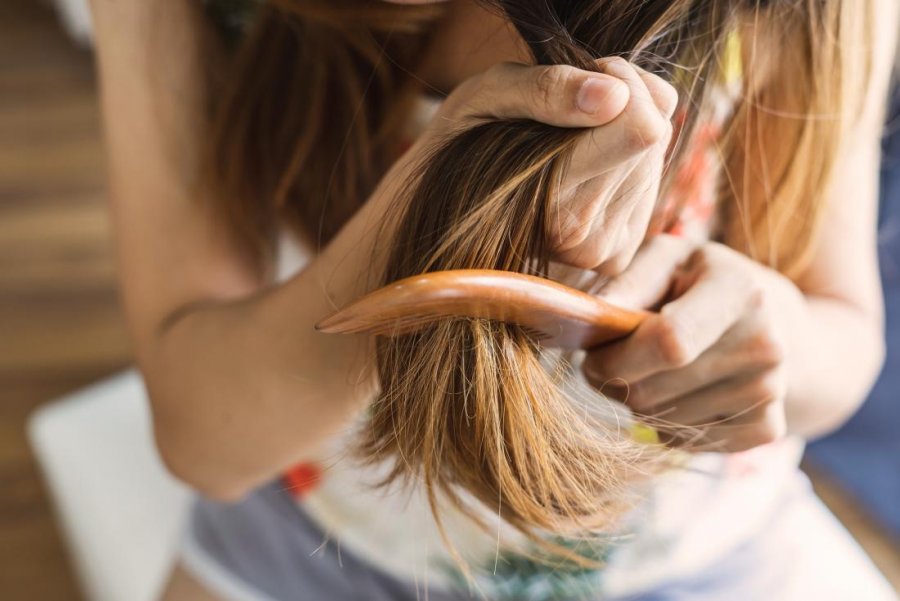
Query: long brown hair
(308, 122)
(472, 407)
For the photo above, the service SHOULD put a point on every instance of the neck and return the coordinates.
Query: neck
(469, 40)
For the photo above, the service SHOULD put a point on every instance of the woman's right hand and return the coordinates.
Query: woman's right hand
(606, 199)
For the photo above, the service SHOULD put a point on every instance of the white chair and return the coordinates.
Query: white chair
(120, 511)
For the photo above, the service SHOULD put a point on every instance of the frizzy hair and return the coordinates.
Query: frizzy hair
(470, 407)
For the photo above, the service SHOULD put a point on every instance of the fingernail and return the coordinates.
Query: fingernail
(596, 91)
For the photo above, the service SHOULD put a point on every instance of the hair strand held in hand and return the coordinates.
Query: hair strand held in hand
(470, 407)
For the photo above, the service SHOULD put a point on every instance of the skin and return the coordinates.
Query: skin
(739, 348)
(236, 395)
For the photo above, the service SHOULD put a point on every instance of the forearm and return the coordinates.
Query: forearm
(836, 354)
(241, 385)
(243, 389)
(836, 336)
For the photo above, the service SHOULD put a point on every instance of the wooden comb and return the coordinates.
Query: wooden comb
(556, 314)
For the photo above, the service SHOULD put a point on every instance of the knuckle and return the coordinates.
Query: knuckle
(593, 371)
(674, 344)
(461, 97)
(669, 94)
(711, 252)
(765, 432)
(757, 296)
(766, 348)
(736, 444)
(585, 258)
(476, 93)
(667, 243)
(575, 223)
(765, 435)
(616, 389)
(721, 250)
(647, 131)
(610, 260)
(665, 95)
(636, 397)
(616, 62)
(757, 303)
(548, 85)
(579, 258)
(768, 387)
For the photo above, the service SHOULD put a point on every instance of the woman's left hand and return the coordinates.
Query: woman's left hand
(715, 356)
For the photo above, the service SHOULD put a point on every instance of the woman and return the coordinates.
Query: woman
(244, 389)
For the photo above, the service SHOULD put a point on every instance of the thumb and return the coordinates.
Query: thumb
(646, 281)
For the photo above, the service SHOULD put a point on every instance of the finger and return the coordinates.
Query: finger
(644, 120)
(559, 95)
(741, 353)
(676, 336)
(591, 208)
(659, 391)
(664, 94)
(638, 224)
(606, 220)
(647, 279)
(724, 402)
(639, 128)
(762, 425)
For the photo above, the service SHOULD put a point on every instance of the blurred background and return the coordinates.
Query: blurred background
(61, 328)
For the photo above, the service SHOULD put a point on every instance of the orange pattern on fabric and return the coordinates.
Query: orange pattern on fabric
(302, 478)
(691, 199)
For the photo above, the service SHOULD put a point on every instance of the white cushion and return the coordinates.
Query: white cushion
(120, 511)
(76, 18)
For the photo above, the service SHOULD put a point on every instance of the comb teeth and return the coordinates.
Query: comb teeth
(536, 334)
(404, 325)
(409, 325)
(340, 324)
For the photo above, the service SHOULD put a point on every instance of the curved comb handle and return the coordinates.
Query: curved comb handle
(560, 315)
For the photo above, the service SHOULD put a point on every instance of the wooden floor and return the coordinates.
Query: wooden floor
(59, 323)
(60, 327)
